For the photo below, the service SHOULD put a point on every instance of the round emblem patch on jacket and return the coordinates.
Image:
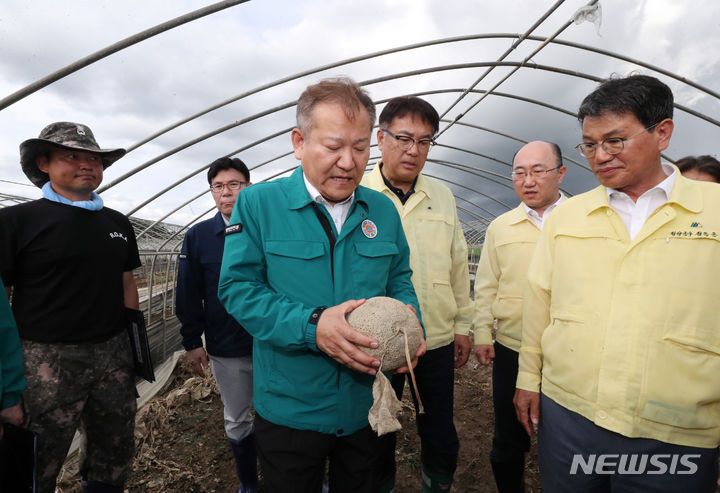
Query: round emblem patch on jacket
(369, 229)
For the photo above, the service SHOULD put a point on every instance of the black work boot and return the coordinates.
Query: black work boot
(434, 480)
(245, 463)
(509, 476)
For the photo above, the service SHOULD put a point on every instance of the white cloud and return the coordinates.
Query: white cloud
(138, 91)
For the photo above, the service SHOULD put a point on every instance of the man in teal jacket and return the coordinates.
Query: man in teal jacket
(300, 253)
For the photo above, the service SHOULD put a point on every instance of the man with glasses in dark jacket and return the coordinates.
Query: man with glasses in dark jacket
(229, 346)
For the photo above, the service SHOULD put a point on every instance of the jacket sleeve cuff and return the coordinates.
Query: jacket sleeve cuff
(10, 399)
(311, 327)
(483, 336)
(462, 329)
(193, 344)
(528, 381)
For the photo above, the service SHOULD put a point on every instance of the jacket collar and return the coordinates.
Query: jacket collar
(218, 223)
(518, 215)
(294, 186)
(298, 196)
(685, 193)
(375, 179)
(597, 199)
(423, 185)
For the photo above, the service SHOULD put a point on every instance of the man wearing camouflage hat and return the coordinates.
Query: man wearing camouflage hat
(69, 261)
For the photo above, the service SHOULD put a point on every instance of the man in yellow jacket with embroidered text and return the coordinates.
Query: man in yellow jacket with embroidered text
(620, 351)
(438, 259)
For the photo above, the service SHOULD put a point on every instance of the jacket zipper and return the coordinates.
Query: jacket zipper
(327, 227)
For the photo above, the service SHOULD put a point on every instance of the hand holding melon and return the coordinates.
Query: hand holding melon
(396, 328)
(387, 320)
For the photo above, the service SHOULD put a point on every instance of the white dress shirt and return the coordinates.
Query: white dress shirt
(338, 212)
(634, 214)
(537, 218)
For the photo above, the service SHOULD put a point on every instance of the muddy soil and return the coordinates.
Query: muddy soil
(182, 446)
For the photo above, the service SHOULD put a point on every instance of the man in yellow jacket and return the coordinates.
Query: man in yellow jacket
(438, 259)
(499, 283)
(620, 354)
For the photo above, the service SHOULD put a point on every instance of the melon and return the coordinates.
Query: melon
(387, 320)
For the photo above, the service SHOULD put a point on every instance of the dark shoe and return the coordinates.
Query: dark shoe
(509, 476)
(435, 481)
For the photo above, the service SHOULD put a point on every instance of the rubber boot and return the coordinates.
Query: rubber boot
(509, 476)
(435, 481)
(245, 463)
(98, 487)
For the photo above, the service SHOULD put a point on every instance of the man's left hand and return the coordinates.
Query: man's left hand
(485, 353)
(462, 349)
(422, 349)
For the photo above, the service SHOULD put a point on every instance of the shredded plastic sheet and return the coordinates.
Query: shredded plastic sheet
(589, 13)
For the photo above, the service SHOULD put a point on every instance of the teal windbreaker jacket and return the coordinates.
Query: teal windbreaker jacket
(12, 373)
(279, 267)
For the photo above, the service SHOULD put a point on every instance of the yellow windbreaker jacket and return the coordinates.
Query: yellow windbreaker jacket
(438, 257)
(627, 333)
(500, 280)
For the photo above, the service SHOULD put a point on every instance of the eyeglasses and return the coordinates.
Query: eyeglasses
(232, 186)
(612, 146)
(405, 143)
(520, 175)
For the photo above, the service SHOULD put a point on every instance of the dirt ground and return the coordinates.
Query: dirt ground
(182, 446)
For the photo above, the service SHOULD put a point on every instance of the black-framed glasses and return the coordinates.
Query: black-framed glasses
(231, 185)
(520, 175)
(613, 145)
(406, 142)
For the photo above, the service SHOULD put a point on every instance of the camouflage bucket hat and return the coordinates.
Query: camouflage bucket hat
(66, 135)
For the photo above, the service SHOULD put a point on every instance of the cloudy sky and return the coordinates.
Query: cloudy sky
(136, 92)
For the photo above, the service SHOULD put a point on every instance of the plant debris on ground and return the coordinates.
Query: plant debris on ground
(181, 445)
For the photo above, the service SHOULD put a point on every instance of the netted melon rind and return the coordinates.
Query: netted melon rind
(380, 318)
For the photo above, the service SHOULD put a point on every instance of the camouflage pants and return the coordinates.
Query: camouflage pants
(85, 386)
